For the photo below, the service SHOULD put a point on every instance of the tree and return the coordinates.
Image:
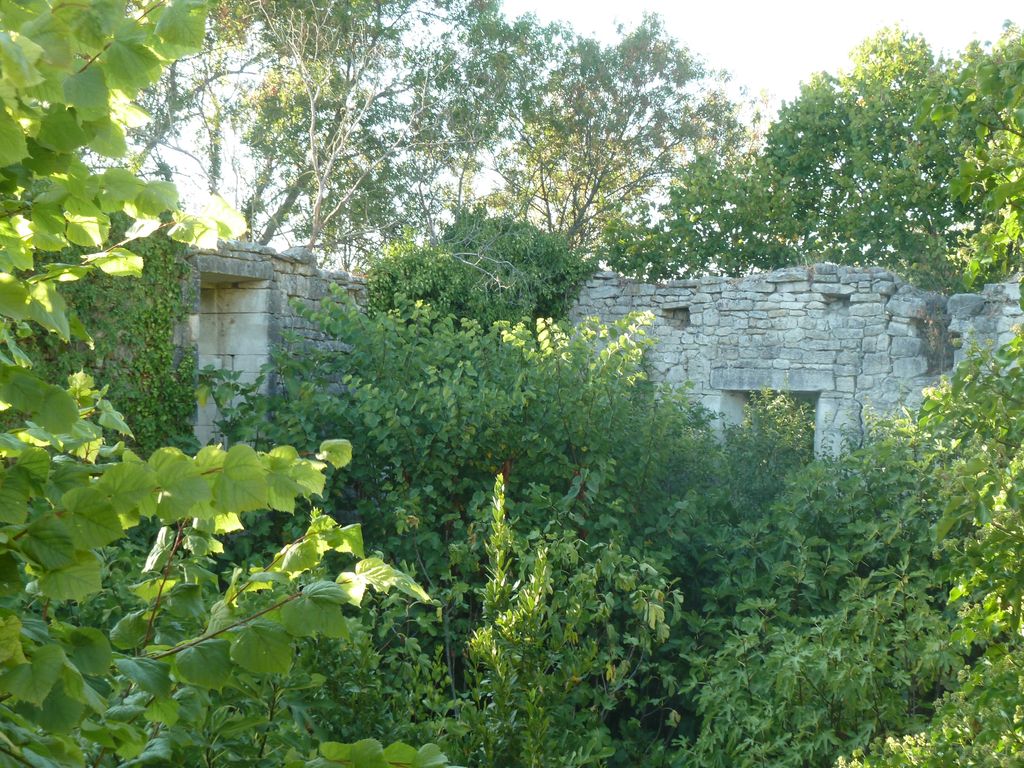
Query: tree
(849, 172)
(368, 108)
(105, 657)
(602, 128)
(485, 268)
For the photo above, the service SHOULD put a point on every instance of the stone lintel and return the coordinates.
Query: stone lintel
(221, 269)
(753, 379)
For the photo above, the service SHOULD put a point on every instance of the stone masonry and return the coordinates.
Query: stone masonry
(243, 307)
(851, 340)
(854, 341)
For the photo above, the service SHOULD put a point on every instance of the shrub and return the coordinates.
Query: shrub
(484, 268)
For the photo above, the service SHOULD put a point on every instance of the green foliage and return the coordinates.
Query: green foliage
(978, 420)
(599, 129)
(849, 172)
(109, 658)
(593, 455)
(540, 661)
(483, 268)
(775, 439)
(987, 94)
(133, 326)
(821, 624)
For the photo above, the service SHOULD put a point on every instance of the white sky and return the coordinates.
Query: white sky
(774, 46)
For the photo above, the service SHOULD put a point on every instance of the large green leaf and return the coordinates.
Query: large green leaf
(383, 577)
(242, 483)
(87, 92)
(91, 518)
(126, 484)
(131, 66)
(49, 543)
(316, 611)
(263, 648)
(33, 681)
(12, 140)
(150, 675)
(10, 640)
(368, 753)
(73, 582)
(207, 664)
(337, 453)
(182, 486)
(89, 650)
(182, 25)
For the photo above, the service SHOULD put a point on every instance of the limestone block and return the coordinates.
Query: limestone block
(907, 306)
(907, 346)
(789, 275)
(964, 305)
(846, 383)
(909, 367)
(218, 268)
(875, 362)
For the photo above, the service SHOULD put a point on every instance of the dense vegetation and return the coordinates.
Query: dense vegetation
(609, 580)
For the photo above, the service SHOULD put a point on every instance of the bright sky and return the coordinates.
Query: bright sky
(774, 46)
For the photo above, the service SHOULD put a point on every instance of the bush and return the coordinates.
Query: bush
(484, 268)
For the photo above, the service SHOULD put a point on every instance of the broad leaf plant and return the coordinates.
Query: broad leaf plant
(98, 665)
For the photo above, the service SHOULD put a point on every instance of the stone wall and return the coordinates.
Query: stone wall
(244, 297)
(852, 340)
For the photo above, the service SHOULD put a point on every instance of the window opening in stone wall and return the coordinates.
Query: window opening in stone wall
(793, 415)
(836, 301)
(938, 343)
(678, 317)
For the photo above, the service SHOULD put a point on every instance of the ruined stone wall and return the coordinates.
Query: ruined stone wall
(851, 340)
(244, 297)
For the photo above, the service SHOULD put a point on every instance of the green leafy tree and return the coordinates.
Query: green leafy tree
(105, 659)
(849, 171)
(987, 94)
(978, 418)
(602, 129)
(484, 268)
